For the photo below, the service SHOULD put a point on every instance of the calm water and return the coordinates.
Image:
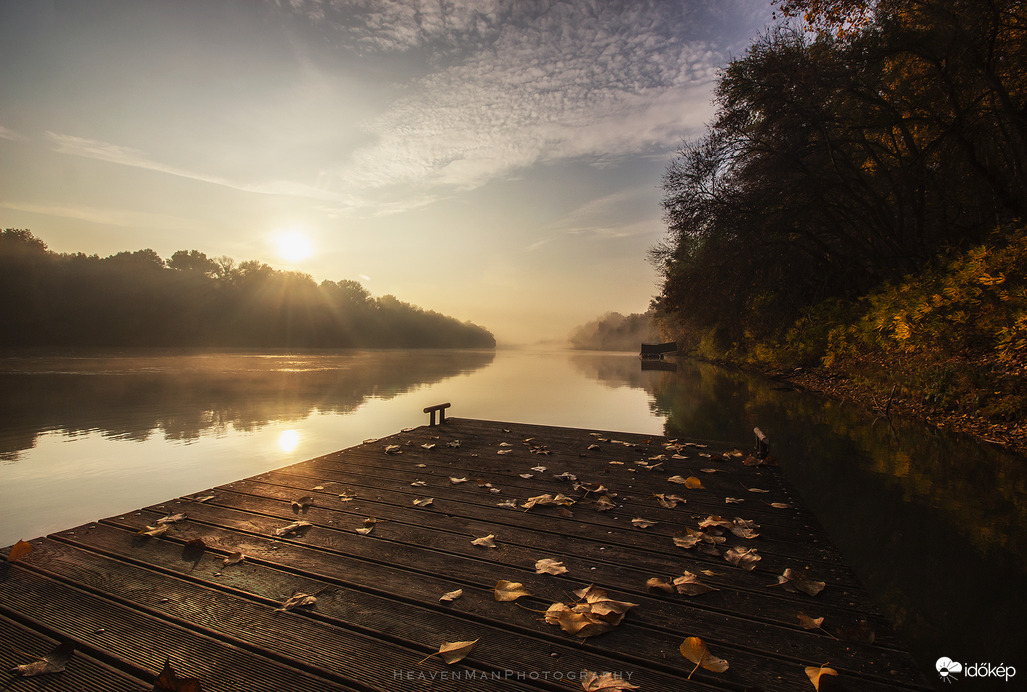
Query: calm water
(934, 525)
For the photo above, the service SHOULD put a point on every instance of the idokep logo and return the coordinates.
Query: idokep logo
(950, 670)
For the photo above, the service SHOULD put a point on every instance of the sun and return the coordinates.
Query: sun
(293, 246)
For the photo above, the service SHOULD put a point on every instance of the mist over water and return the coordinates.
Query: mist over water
(934, 525)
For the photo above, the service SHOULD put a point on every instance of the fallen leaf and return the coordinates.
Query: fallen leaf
(393, 449)
(510, 504)
(485, 541)
(423, 502)
(233, 559)
(693, 483)
(780, 505)
(451, 595)
(348, 497)
(292, 528)
(795, 582)
(19, 550)
(746, 558)
(539, 469)
(565, 476)
(193, 550)
(303, 503)
(172, 519)
(687, 538)
(603, 605)
(428, 445)
(642, 523)
(549, 566)
(454, 444)
(526, 475)
(298, 600)
(503, 451)
(604, 504)
(451, 652)
(418, 484)
(680, 480)
(668, 501)
(368, 526)
(758, 490)
(168, 681)
(690, 585)
(158, 530)
(53, 662)
(607, 682)
(814, 673)
(810, 623)
(712, 470)
(207, 497)
(716, 520)
(733, 500)
(318, 487)
(657, 583)
(695, 650)
(548, 499)
(505, 444)
(509, 590)
(455, 481)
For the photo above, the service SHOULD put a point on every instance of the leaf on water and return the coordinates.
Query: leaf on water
(745, 558)
(419, 484)
(172, 519)
(303, 503)
(690, 585)
(393, 449)
(168, 681)
(451, 595)
(298, 600)
(695, 650)
(368, 526)
(607, 682)
(814, 673)
(158, 530)
(19, 550)
(641, 523)
(294, 527)
(657, 583)
(549, 566)
(810, 623)
(795, 582)
(669, 501)
(451, 652)
(423, 502)
(485, 541)
(233, 559)
(53, 662)
(456, 481)
(509, 590)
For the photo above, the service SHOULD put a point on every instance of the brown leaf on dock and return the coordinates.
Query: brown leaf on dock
(393, 449)
(53, 662)
(509, 590)
(485, 541)
(794, 581)
(172, 519)
(669, 501)
(689, 585)
(548, 565)
(233, 559)
(294, 527)
(19, 550)
(810, 623)
(746, 558)
(641, 523)
(607, 682)
(423, 501)
(593, 614)
(547, 499)
(154, 531)
(816, 672)
(368, 526)
(303, 503)
(168, 681)
(696, 651)
(657, 583)
(451, 595)
(451, 652)
(297, 600)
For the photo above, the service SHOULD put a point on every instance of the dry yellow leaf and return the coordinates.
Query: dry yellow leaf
(233, 559)
(669, 501)
(423, 501)
(158, 530)
(815, 672)
(485, 541)
(690, 585)
(642, 523)
(509, 590)
(657, 583)
(368, 526)
(695, 650)
(451, 595)
(299, 600)
(451, 652)
(810, 623)
(172, 519)
(19, 550)
(549, 566)
(794, 582)
(746, 558)
(292, 528)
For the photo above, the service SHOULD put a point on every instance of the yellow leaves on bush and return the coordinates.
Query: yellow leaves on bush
(695, 650)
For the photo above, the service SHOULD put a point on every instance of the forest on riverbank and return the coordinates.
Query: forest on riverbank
(138, 299)
(857, 208)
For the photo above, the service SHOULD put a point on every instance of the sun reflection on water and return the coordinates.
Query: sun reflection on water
(288, 441)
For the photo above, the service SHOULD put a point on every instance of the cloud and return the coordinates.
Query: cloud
(107, 217)
(516, 84)
(10, 135)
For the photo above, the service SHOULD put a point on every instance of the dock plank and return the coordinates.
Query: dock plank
(378, 612)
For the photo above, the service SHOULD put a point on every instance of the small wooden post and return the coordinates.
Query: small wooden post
(762, 444)
(441, 408)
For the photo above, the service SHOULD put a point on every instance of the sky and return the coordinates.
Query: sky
(498, 161)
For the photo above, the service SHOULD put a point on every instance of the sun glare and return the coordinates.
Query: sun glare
(293, 246)
(288, 441)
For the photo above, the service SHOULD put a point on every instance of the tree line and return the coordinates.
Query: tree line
(856, 144)
(131, 299)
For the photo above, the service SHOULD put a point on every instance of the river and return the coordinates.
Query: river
(934, 525)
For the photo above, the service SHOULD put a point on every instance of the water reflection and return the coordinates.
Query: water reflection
(186, 396)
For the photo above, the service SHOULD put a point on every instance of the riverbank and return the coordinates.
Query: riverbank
(883, 387)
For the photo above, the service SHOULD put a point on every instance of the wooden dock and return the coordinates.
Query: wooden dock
(130, 602)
